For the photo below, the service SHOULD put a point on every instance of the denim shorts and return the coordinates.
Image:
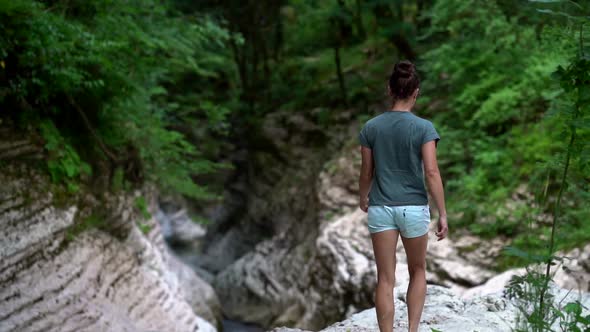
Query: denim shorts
(410, 220)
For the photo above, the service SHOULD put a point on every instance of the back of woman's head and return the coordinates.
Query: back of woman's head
(404, 80)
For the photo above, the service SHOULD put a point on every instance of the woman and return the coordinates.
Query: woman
(398, 152)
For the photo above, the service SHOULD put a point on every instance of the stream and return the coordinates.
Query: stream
(235, 326)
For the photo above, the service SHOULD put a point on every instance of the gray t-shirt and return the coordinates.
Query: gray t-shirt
(396, 140)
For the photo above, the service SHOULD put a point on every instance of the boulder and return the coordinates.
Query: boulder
(267, 285)
(198, 293)
(178, 228)
(494, 285)
(573, 272)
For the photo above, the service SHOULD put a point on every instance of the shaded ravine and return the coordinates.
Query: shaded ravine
(183, 237)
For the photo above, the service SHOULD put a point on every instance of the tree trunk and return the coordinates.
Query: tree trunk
(340, 76)
(383, 16)
(358, 18)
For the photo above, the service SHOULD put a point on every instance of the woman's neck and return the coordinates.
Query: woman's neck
(402, 105)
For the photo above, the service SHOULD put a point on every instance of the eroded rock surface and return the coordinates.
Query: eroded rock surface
(63, 269)
(177, 226)
(573, 273)
(443, 311)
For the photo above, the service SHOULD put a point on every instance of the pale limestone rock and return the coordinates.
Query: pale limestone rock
(458, 262)
(260, 287)
(110, 279)
(178, 228)
(574, 271)
(445, 311)
(494, 285)
(199, 294)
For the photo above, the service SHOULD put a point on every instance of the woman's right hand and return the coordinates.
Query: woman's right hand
(364, 204)
(442, 227)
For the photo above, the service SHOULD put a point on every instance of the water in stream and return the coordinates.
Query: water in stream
(235, 326)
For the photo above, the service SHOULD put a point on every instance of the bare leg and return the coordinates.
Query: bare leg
(384, 244)
(416, 252)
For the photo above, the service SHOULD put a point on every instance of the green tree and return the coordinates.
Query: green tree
(493, 73)
(120, 85)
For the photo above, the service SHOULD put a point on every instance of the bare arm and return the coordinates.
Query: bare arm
(435, 187)
(365, 177)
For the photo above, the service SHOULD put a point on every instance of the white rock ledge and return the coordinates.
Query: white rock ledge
(445, 311)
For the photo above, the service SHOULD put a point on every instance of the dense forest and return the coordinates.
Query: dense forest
(125, 92)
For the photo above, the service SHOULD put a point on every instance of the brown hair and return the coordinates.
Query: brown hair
(404, 80)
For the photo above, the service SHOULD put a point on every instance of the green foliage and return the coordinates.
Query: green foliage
(493, 72)
(63, 161)
(118, 182)
(572, 319)
(200, 220)
(141, 205)
(486, 83)
(526, 291)
(365, 34)
(143, 227)
(92, 221)
(538, 309)
(128, 82)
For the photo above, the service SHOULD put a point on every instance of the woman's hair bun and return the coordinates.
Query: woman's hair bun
(404, 69)
(404, 80)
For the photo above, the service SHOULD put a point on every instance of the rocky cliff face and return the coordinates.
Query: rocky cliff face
(81, 263)
(279, 279)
